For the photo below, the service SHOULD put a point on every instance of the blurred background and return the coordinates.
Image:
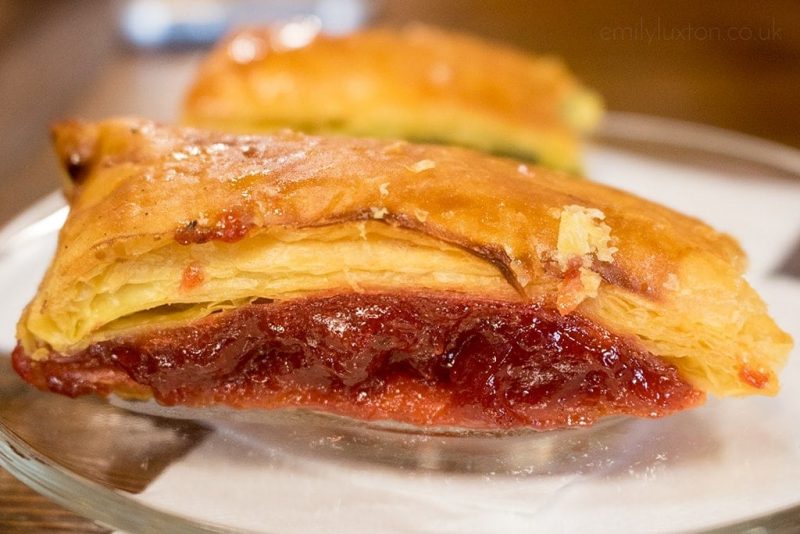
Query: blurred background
(729, 63)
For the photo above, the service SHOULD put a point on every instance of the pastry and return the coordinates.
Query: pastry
(412, 83)
(381, 280)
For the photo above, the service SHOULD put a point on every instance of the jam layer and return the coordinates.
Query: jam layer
(422, 359)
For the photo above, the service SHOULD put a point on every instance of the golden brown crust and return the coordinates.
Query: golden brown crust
(496, 208)
(152, 193)
(410, 83)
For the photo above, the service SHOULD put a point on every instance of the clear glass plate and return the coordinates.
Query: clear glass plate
(141, 467)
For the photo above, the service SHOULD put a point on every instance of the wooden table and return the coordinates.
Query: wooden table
(24, 510)
(681, 59)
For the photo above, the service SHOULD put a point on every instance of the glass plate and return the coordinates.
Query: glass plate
(141, 467)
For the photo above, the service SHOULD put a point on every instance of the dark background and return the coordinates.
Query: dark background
(733, 64)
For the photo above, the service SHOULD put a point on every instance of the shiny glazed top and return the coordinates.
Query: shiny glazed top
(141, 183)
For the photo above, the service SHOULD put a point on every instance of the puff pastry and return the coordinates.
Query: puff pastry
(423, 284)
(417, 83)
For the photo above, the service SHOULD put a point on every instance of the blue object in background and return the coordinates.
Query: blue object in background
(174, 23)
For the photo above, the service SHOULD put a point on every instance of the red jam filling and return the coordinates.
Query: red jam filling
(753, 377)
(423, 359)
(192, 276)
(232, 225)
